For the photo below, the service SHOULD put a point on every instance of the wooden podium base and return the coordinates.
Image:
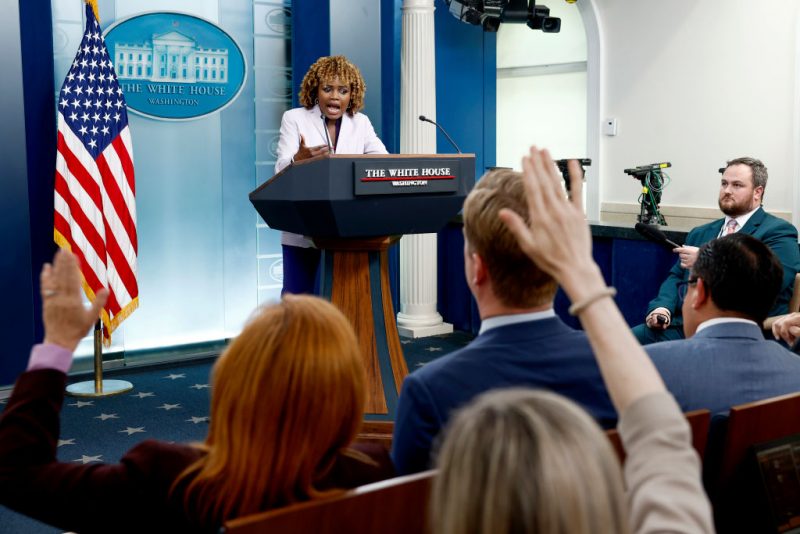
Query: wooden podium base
(355, 277)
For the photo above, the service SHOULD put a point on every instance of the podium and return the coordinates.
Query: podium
(355, 208)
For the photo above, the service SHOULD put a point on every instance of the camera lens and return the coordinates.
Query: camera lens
(551, 25)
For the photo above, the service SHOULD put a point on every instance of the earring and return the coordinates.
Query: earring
(316, 101)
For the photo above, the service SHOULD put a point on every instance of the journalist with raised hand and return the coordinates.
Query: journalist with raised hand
(271, 441)
(662, 471)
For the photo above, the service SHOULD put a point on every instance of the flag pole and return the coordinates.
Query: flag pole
(98, 387)
(85, 157)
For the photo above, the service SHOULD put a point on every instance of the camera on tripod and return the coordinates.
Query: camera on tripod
(653, 179)
(562, 166)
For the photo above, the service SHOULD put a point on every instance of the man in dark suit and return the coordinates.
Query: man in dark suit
(726, 360)
(740, 196)
(521, 341)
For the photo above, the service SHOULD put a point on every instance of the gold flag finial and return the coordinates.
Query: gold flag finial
(93, 3)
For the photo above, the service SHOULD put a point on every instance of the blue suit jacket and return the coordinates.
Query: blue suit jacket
(545, 354)
(777, 234)
(725, 365)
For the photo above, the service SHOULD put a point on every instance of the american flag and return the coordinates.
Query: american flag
(95, 194)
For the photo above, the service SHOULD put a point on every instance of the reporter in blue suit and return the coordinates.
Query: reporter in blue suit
(726, 360)
(740, 196)
(521, 343)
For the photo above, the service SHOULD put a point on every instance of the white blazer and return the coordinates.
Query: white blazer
(356, 136)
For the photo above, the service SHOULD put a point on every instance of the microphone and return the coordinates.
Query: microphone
(325, 127)
(654, 234)
(423, 118)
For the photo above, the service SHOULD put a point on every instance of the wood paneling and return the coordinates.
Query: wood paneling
(399, 367)
(350, 292)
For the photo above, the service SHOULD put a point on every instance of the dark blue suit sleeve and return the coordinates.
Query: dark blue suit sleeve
(415, 427)
(782, 239)
(668, 293)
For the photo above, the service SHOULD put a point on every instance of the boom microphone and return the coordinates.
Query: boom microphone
(423, 118)
(654, 234)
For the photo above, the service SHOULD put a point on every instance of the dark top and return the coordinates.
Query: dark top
(544, 354)
(777, 234)
(724, 365)
(131, 496)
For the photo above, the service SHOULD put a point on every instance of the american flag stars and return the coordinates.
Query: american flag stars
(93, 83)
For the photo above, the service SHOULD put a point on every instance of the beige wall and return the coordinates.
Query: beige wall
(695, 83)
(677, 217)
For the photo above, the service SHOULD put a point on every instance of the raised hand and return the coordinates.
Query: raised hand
(66, 320)
(305, 152)
(558, 239)
(556, 235)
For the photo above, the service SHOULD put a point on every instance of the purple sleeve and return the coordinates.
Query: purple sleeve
(49, 356)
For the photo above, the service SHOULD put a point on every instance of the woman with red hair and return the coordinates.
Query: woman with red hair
(286, 403)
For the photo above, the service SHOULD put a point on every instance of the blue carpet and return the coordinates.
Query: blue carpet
(167, 403)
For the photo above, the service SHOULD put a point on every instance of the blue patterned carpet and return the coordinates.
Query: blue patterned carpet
(167, 403)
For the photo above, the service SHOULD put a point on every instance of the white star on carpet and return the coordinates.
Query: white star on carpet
(169, 407)
(421, 364)
(405, 341)
(88, 459)
(131, 431)
(105, 416)
(144, 394)
(196, 420)
(433, 349)
(200, 386)
(81, 404)
(70, 441)
(176, 376)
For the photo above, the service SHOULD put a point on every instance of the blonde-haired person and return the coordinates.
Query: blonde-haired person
(286, 402)
(662, 471)
(329, 121)
(524, 450)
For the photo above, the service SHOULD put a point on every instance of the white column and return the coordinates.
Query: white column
(418, 266)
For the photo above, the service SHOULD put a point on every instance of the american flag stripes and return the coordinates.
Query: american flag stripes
(95, 204)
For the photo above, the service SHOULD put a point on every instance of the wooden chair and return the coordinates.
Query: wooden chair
(379, 432)
(756, 422)
(698, 421)
(794, 305)
(734, 485)
(394, 506)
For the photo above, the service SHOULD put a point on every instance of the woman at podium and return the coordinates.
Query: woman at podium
(329, 121)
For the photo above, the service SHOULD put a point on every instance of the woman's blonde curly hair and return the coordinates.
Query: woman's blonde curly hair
(327, 68)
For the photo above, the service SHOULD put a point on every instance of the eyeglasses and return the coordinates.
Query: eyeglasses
(683, 287)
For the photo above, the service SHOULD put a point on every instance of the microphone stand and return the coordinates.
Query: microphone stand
(423, 118)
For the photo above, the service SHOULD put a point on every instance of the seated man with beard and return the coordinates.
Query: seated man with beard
(740, 196)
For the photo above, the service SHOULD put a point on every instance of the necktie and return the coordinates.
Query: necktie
(731, 227)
